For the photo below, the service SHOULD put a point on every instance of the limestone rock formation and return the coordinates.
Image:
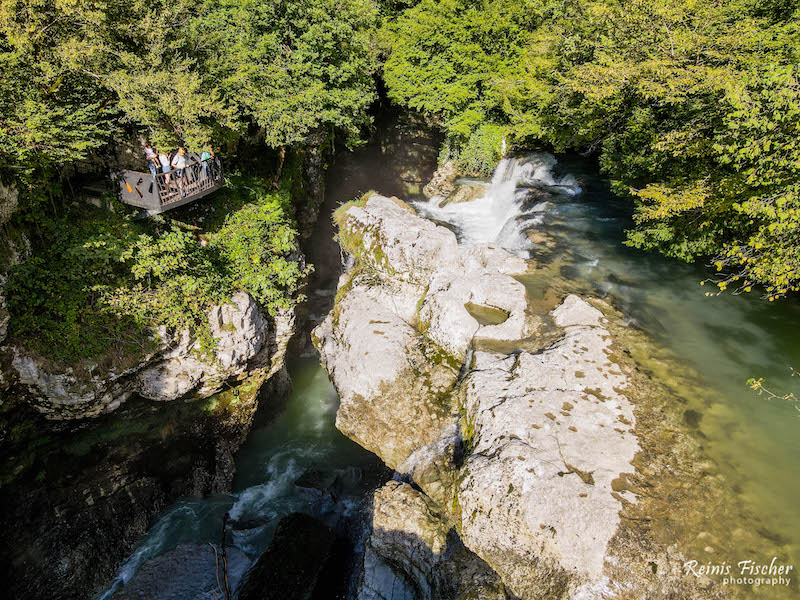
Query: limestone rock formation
(4, 316)
(518, 446)
(550, 435)
(245, 342)
(465, 193)
(442, 182)
(415, 287)
(411, 553)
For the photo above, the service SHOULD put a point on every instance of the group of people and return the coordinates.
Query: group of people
(176, 162)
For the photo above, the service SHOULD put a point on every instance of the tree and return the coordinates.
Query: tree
(690, 105)
(290, 66)
(186, 73)
(446, 59)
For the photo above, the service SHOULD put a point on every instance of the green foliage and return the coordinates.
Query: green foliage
(76, 74)
(446, 58)
(691, 105)
(293, 66)
(482, 150)
(57, 297)
(100, 284)
(174, 282)
(258, 247)
(50, 113)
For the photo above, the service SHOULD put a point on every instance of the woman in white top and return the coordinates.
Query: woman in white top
(165, 168)
(179, 163)
(164, 160)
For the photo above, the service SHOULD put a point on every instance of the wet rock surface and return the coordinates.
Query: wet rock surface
(188, 571)
(293, 564)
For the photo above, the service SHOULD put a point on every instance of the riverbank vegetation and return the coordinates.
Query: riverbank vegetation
(102, 282)
(692, 108)
(84, 83)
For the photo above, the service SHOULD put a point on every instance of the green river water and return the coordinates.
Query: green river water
(721, 341)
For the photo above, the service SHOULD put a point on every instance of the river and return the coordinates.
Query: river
(575, 233)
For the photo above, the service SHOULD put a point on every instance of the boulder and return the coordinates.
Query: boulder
(188, 571)
(466, 193)
(291, 566)
(413, 554)
(520, 447)
(442, 183)
(374, 362)
(245, 342)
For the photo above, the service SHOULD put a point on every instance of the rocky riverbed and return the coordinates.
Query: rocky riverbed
(529, 448)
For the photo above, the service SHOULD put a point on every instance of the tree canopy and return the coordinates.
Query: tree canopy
(185, 73)
(692, 107)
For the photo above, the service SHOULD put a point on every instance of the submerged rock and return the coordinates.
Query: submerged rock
(518, 453)
(189, 571)
(292, 565)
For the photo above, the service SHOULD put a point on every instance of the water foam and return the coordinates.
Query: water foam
(499, 217)
(255, 502)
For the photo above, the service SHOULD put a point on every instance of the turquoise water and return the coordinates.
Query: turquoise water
(726, 339)
(563, 216)
(302, 440)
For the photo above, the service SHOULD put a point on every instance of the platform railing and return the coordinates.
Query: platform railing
(164, 191)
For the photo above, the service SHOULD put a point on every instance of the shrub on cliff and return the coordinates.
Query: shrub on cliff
(99, 283)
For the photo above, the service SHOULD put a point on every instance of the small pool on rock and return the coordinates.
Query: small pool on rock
(486, 315)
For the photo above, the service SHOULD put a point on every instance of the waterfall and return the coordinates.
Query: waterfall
(504, 214)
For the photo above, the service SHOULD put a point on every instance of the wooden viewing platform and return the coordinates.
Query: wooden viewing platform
(165, 191)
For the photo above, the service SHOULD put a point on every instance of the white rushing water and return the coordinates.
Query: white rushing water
(303, 439)
(505, 212)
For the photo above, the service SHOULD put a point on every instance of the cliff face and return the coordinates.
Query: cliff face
(245, 343)
(88, 496)
(518, 431)
(80, 492)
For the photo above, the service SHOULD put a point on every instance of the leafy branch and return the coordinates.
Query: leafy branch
(757, 385)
